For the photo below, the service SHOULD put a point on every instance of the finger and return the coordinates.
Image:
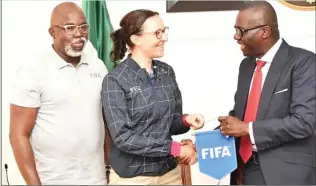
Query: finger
(195, 125)
(183, 142)
(225, 132)
(194, 147)
(191, 144)
(223, 123)
(186, 142)
(230, 119)
(185, 160)
(200, 118)
(198, 125)
(193, 161)
(224, 127)
(222, 118)
(181, 161)
(188, 161)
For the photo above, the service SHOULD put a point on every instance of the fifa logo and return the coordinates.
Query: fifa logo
(95, 75)
(215, 152)
(135, 89)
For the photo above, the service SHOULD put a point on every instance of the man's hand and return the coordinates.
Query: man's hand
(191, 158)
(232, 126)
(188, 142)
(196, 121)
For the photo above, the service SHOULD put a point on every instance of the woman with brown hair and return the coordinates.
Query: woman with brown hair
(143, 106)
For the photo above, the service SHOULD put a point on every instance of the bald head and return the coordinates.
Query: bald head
(262, 13)
(63, 12)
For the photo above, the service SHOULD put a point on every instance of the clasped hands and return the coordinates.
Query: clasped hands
(188, 155)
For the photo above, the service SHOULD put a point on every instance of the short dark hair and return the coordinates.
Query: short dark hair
(270, 16)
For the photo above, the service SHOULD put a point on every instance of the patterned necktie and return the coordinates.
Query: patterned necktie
(245, 150)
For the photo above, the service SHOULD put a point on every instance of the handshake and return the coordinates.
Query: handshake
(188, 155)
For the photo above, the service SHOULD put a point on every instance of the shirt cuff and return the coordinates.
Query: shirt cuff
(184, 122)
(252, 139)
(175, 149)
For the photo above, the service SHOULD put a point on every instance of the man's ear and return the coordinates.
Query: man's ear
(266, 32)
(135, 40)
(51, 32)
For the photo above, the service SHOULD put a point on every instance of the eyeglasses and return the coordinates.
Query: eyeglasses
(159, 33)
(241, 31)
(72, 29)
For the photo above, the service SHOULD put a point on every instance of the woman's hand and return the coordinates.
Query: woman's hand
(195, 121)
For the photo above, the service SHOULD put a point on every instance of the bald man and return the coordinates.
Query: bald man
(273, 119)
(56, 126)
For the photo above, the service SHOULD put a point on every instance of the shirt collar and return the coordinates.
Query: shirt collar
(268, 57)
(134, 65)
(60, 62)
(158, 69)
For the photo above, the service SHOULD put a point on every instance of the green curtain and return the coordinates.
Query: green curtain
(100, 29)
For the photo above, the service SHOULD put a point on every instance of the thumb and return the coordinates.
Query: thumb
(222, 118)
(195, 124)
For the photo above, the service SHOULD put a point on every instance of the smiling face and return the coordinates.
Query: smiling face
(152, 38)
(251, 41)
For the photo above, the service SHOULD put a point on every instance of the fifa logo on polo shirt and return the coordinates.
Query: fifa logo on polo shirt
(95, 75)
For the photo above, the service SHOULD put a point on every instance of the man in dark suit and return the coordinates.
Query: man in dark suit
(273, 118)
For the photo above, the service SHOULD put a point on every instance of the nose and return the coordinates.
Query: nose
(237, 37)
(164, 37)
(78, 33)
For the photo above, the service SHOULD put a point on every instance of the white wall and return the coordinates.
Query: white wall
(200, 48)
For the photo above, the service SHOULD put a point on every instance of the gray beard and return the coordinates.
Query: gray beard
(72, 53)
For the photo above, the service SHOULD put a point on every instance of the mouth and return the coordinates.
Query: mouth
(77, 45)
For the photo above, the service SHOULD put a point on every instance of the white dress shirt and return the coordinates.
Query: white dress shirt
(268, 57)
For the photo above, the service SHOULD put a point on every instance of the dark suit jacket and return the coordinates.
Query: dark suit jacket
(284, 130)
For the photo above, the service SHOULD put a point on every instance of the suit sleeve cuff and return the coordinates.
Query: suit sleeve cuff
(175, 149)
(184, 122)
(252, 139)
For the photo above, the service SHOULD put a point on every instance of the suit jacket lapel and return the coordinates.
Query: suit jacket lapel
(278, 63)
(245, 80)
